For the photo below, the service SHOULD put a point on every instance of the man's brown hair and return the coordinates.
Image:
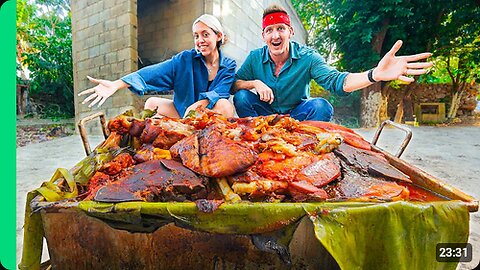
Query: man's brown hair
(274, 8)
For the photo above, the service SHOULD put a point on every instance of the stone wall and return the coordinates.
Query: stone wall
(424, 93)
(165, 28)
(104, 45)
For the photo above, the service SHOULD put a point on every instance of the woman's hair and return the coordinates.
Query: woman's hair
(274, 8)
(214, 24)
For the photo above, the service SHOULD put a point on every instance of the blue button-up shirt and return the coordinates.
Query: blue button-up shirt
(292, 85)
(187, 75)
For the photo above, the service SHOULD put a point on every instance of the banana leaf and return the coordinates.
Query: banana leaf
(397, 235)
(52, 192)
(32, 237)
(358, 235)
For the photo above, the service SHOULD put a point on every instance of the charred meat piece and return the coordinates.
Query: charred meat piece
(187, 151)
(324, 169)
(167, 138)
(119, 124)
(369, 163)
(211, 154)
(254, 185)
(145, 153)
(119, 163)
(97, 181)
(354, 185)
(172, 131)
(155, 180)
(150, 132)
(137, 127)
(302, 191)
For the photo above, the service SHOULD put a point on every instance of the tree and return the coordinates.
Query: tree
(46, 50)
(457, 48)
(363, 31)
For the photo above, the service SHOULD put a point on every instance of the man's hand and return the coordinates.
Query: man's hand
(393, 67)
(264, 92)
(102, 91)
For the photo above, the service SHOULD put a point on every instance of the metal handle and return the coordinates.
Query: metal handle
(406, 140)
(83, 131)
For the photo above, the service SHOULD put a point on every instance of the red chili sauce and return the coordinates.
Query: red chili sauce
(421, 194)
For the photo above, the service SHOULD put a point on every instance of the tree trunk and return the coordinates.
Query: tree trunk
(371, 102)
(456, 99)
(399, 114)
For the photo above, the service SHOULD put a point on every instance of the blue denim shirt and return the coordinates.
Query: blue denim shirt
(187, 75)
(292, 85)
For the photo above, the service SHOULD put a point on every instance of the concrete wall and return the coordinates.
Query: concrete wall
(165, 28)
(242, 21)
(104, 45)
(109, 36)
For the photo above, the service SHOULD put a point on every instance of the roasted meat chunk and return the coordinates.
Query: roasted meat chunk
(155, 180)
(211, 154)
(369, 163)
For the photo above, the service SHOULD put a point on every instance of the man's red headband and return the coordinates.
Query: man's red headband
(274, 18)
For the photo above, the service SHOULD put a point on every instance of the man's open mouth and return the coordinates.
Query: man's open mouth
(276, 43)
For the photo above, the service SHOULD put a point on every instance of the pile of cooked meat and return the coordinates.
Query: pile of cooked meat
(275, 158)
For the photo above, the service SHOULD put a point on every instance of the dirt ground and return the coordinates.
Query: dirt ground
(448, 152)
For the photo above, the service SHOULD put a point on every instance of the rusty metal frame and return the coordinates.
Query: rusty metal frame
(406, 140)
(83, 131)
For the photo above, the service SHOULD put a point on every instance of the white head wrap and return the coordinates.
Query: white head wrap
(212, 22)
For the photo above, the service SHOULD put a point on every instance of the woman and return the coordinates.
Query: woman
(200, 76)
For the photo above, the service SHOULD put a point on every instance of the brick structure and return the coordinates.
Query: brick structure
(112, 38)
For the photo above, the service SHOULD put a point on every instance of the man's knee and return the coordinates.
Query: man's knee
(318, 109)
(242, 98)
(323, 110)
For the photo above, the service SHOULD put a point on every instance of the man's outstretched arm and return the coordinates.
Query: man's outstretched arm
(391, 67)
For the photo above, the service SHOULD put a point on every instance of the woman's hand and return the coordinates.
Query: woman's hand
(102, 91)
(393, 67)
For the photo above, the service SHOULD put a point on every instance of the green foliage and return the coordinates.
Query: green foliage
(347, 108)
(46, 39)
(361, 32)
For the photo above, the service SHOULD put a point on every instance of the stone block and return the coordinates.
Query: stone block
(94, 19)
(123, 54)
(110, 24)
(129, 30)
(97, 29)
(82, 24)
(94, 51)
(99, 60)
(78, 5)
(110, 57)
(108, 4)
(105, 70)
(123, 19)
(105, 47)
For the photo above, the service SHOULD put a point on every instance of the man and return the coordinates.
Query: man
(281, 72)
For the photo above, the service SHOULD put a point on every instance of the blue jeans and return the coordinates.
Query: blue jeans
(248, 103)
